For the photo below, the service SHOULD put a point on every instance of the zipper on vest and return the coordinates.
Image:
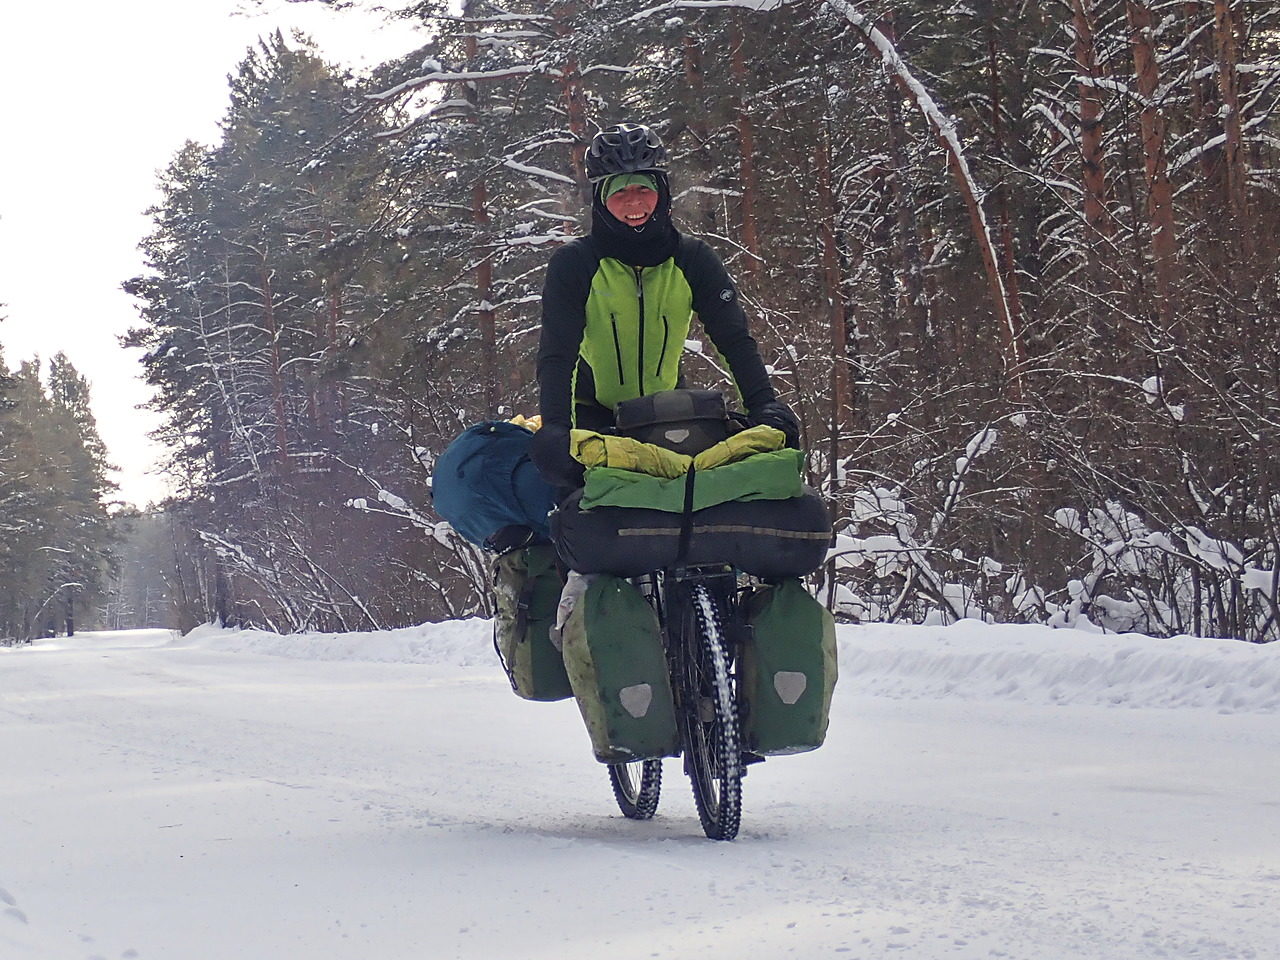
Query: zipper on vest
(617, 347)
(666, 332)
(640, 353)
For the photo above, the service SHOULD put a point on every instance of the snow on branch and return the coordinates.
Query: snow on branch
(1198, 151)
(461, 76)
(495, 35)
(492, 18)
(758, 6)
(1114, 86)
(538, 171)
(1054, 121)
(534, 240)
(607, 68)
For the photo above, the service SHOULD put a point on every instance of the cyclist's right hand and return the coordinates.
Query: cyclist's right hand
(549, 452)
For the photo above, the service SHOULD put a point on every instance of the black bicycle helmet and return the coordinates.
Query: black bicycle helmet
(625, 148)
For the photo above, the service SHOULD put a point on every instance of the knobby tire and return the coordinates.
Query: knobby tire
(709, 720)
(637, 787)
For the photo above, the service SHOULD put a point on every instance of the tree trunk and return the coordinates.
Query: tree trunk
(1008, 260)
(919, 348)
(1164, 240)
(335, 393)
(694, 80)
(277, 378)
(1224, 31)
(701, 209)
(1094, 179)
(836, 320)
(574, 108)
(746, 150)
(485, 313)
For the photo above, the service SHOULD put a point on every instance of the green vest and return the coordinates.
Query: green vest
(637, 321)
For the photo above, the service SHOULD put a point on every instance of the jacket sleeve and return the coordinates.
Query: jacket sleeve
(715, 300)
(564, 318)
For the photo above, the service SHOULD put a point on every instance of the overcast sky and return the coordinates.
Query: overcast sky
(97, 96)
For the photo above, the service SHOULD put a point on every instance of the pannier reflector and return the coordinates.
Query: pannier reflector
(790, 685)
(637, 698)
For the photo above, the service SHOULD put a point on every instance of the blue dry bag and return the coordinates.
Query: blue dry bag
(485, 481)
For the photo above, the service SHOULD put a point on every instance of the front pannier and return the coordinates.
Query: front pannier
(765, 538)
(618, 668)
(787, 670)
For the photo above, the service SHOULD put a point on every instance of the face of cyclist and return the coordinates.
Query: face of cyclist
(633, 205)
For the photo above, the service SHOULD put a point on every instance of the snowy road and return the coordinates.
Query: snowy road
(202, 800)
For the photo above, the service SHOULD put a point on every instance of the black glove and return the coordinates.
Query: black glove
(549, 451)
(777, 414)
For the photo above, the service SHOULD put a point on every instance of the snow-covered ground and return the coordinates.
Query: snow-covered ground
(984, 792)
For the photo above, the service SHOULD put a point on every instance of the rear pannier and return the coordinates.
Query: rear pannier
(618, 668)
(766, 538)
(526, 587)
(788, 670)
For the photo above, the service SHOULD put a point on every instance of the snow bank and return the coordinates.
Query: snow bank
(972, 660)
(969, 660)
(454, 643)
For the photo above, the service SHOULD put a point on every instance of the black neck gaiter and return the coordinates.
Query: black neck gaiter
(644, 246)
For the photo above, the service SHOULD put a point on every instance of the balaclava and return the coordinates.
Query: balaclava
(645, 246)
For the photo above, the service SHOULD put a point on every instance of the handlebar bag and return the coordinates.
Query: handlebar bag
(686, 421)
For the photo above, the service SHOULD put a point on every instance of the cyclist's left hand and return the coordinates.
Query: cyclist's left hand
(777, 414)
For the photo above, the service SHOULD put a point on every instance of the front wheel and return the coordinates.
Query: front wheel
(709, 721)
(637, 787)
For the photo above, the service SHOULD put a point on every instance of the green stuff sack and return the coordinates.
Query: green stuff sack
(616, 663)
(788, 670)
(526, 588)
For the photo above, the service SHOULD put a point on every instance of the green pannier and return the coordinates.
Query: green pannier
(616, 663)
(526, 588)
(788, 670)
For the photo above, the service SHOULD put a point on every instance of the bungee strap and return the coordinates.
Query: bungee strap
(686, 515)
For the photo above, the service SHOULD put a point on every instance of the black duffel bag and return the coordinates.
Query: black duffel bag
(769, 539)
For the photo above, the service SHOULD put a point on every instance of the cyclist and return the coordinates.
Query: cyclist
(618, 303)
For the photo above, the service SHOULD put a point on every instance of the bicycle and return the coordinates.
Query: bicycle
(694, 605)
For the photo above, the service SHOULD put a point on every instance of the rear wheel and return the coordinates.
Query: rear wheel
(709, 720)
(637, 787)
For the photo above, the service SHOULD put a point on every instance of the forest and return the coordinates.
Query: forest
(56, 536)
(1012, 263)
